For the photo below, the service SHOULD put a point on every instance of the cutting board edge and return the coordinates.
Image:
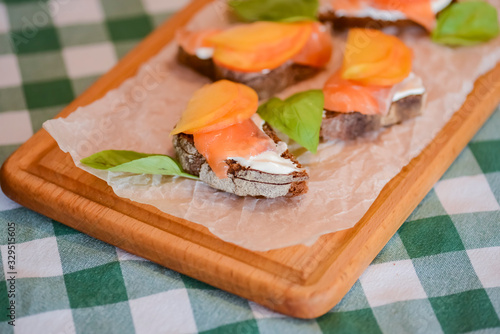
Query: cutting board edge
(301, 301)
(295, 299)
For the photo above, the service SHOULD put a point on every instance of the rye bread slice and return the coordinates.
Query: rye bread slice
(241, 180)
(346, 22)
(345, 126)
(266, 84)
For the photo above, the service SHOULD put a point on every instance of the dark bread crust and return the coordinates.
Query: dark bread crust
(241, 180)
(345, 126)
(203, 66)
(188, 156)
(265, 84)
(272, 134)
(345, 22)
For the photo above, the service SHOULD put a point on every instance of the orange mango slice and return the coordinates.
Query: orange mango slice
(374, 58)
(259, 46)
(243, 139)
(192, 40)
(217, 105)
(247, 37)
(347, 96)
(318, 48)
(246, 105)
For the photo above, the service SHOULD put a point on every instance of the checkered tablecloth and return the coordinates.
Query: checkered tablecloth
(439, 273)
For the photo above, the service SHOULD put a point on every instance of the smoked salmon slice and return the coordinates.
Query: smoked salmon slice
(318, 49)
(243, 140)
(347, 96)
(190, 41)
(419, 11)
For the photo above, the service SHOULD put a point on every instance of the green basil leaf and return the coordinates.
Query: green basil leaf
(466, 23)
(299, 116)
(135, 162)
(275, 10)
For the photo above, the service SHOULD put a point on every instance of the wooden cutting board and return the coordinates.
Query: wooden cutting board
(298, 281)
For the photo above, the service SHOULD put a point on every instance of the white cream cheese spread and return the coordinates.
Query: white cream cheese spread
(412, 85)
(204, 53)
(269, 161)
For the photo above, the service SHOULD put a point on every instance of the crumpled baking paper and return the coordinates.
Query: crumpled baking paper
(345, 177)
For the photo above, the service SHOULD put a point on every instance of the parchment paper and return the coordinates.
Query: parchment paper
(345, 177)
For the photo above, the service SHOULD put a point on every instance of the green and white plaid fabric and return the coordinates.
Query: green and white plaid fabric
(439, 273)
